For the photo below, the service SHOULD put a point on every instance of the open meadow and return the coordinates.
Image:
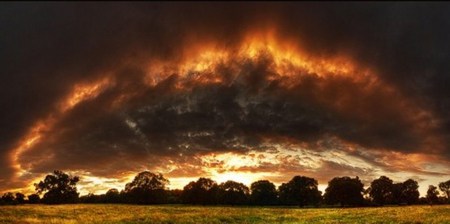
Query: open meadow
(83, 213)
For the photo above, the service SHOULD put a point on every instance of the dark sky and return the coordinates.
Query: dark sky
(224, 90)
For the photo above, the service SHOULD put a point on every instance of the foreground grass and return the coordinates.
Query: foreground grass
(82, 213)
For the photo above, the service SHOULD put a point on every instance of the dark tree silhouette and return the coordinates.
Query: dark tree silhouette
(384, 191)
(203, 191)
(150, 188)
(174, 196)
(147, 188)
(445, 187)
(381, 190)
(344, 191)
(300, 191)
(20, 198)
(33, 198)
(147, 180)
(112, 196)
(410, 192)
(8, 198)
(91, 198)
(396, 194)
(263, 193)
(432, 195)
(59, 188)
(233, 193)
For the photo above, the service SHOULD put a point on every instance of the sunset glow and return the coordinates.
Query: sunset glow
(263, 93)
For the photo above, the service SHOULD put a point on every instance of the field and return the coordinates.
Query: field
(82, 213)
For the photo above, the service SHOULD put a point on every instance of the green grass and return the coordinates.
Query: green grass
(82, 213)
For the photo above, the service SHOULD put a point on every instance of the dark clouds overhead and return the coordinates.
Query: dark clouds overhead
(49, 48)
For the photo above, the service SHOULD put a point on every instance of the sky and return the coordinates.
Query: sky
(229, 91)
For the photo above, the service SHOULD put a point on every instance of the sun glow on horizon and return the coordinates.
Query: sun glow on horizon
(200, 65)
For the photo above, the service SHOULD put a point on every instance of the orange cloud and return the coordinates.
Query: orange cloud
(301, 100)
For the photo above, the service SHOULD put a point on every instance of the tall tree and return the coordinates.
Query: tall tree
(8, 198)
(432, 195)
(233, 193)
(397, 194)
(300, 191)
(381, 190)
(410, 192)
(147, 180)
(405, 193)
(263, 193)
(203, 191)
(445, 187)
(147, 188)
(33, 198)
(112, 196)
(344, 191)
(20, 198)
(59, 188)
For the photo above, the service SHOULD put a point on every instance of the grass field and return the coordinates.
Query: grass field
(196, 214)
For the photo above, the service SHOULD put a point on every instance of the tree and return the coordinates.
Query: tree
(445, 187)
(91, 198)
(423, 201)
(263, 193)
(344, 191)
(33, 198)
(405, 193)
(381, 190)
(233, 193)
(20, 198)
(8, 198)
(112, 196)
(432, 195)
(174, 196)
(203, 191)
(59, 188)
(397, 194)
(410, 192)
(300, 191)
(147, 188)
(148, 181)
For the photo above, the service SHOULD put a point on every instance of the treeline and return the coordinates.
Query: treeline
(150, 188)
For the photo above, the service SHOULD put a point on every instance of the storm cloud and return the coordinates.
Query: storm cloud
(107, 88)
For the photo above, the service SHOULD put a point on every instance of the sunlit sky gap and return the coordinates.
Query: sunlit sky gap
(229, 91)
